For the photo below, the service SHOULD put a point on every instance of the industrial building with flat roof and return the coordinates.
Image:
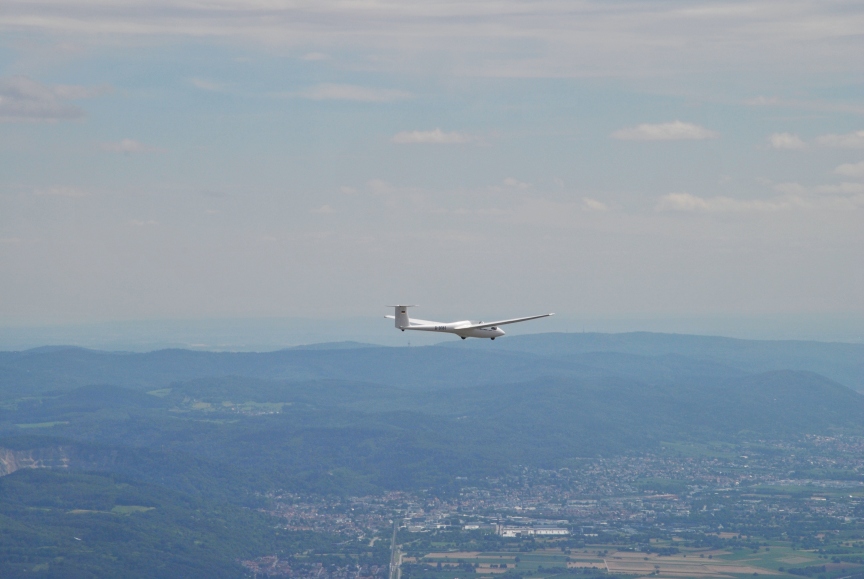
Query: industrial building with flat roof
(532, 531)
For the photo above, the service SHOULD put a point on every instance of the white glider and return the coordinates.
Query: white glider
(463, 329)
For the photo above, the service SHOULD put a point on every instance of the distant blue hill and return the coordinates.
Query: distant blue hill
(449, 365)
(842, 362)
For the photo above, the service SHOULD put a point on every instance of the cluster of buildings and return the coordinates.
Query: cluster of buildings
(272, 566)
(358, 517)
(676, 488)
(705, 489)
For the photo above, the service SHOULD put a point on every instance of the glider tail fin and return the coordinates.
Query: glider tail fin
(401, 315)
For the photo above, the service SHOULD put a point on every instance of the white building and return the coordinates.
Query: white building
(532, 531)
(550, 531)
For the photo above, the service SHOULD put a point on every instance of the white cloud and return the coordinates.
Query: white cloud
(390, 193)
(128, 146)
(78, 92)
(434, 137)
(208, 85)
(851, 169)
(841, 189)
(691, 203)
(59, 191)
(143, 222)
(812, 105)
(350, 92)
(380, 187)
(853, 140)
(24, 99)
(315, 56)
(323, 210)
(565, 37)
(786, 141)
(594, 205)
(509, 186)
(790, 188)
(674, 131)
(762, 101)
(515, 183)
(799, 191)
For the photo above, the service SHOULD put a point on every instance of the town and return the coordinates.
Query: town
(712, 500)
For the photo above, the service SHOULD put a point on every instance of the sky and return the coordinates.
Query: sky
(283, 160)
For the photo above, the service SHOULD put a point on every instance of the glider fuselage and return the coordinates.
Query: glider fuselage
(454, 328)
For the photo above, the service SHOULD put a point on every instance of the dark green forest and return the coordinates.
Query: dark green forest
(86, 525)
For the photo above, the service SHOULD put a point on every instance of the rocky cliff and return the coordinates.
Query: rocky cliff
(48, 457)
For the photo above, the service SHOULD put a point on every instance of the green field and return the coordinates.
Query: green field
(553, 558)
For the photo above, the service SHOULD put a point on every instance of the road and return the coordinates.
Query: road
(395, 555)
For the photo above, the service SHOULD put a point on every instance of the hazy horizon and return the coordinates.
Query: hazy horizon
(265, 334)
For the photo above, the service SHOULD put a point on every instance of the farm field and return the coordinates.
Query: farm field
(549, 562)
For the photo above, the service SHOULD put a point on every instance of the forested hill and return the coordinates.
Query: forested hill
(451, 364)
(842, 362)
(403, 417)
